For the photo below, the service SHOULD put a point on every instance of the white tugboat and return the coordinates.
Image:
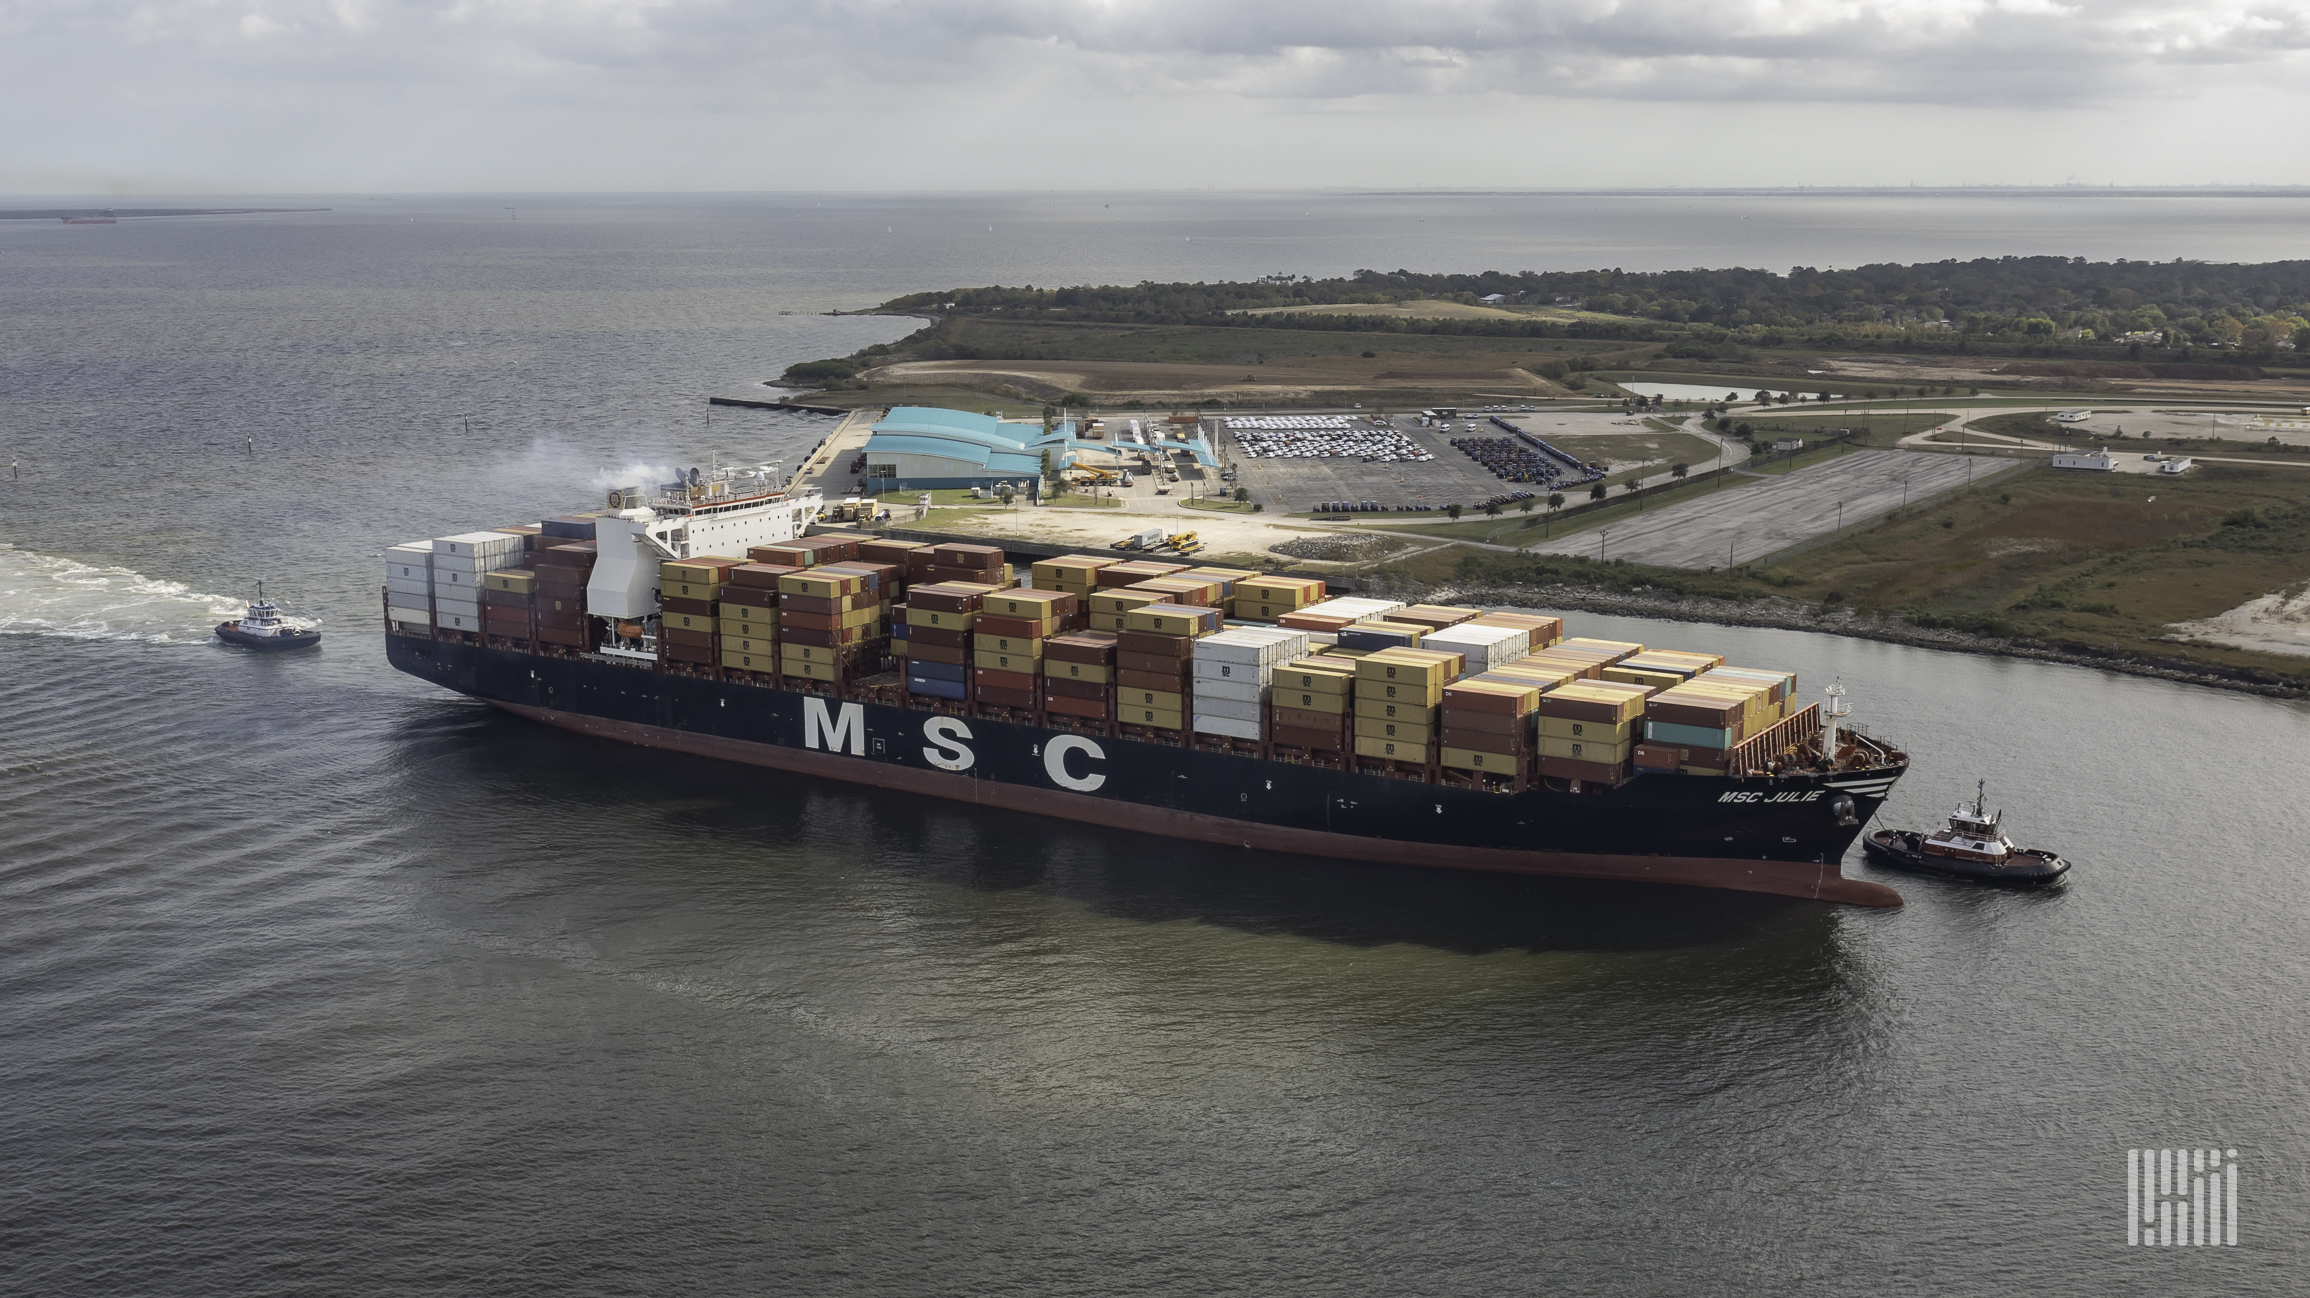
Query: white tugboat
(1970, 848)
(263, 627)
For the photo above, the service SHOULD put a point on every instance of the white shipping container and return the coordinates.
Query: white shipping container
(467, 545)
(402, 613)
(412, 560)
(459, 621)
(1489, 646)
(417, 586)
(424, 629)
(466, 608)
(477, 563)
(1247, 691)
(1232, 709)
(1361, 610)
(1228, 726)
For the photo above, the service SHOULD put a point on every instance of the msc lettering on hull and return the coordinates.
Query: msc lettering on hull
(945, 753)
(846, 734)
(1759, 796)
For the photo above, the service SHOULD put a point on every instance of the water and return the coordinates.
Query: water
(315, 980)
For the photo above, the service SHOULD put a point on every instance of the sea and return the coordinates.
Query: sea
(317, 980)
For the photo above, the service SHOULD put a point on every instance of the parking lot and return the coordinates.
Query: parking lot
(1300, 485)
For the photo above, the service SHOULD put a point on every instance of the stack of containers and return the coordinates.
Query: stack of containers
(689, 608)
(1227, 579)
(806, 551)
(1537, 670)
(1079, 674)
(1110, 604)
(1155, 656)
(409, 588)
(1663, 667)
(1396, 699)
(1381, 633)
(978, 564)
(1179, 588)
(823, 619)
(1690, 728)
(749, 617)
(1311, 705)
(1434, 617)
(1233, 675)
(1546, 631)
(1268, 599)
(458, 564)
(1332, 614)
(509, 604)
(1588, 729)
(938, 631)
(1485, 647)
(1488, 725)
(885, 582)
(1076, 574)
(1783, 685)
(562, 572)
(1133, 571)
(1008, 636)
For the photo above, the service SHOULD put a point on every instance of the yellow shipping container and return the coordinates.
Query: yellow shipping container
(1540, 674)
(750, 645)
(1094, 673)
(1155, 717)
(805, 653)
(685, 572)
(1423, 714)
(938, 619)
(1007, 644)
(1594, 732)
(1650, 680)
(1013, 604)
(1381, 728)
(1163, 619)
(689, 621)
(1585, 750)
(1122, 601)
(1470, 759)
(1163, 700)
(1001, 662)
(1370, 693)
(818, 586)
(1619, 649)
(1626, 701)
(1108, 621)
(862, 616)
(748, 662)
(1300, 674)
(1408, 665)
(519, 581)
(1414, 750)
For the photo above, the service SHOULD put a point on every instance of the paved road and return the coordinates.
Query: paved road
(1745, 523)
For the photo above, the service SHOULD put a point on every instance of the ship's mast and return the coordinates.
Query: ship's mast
(1834, 711)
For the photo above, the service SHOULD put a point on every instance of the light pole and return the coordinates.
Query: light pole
(1840, 515)
(1601, 534)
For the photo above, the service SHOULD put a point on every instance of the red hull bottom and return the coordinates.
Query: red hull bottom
(1780, 878)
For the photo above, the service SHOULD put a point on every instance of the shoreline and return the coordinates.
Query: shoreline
(1789, 615)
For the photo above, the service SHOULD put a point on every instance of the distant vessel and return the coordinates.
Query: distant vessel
(1970, 848)
(104, 217)
(262, 627)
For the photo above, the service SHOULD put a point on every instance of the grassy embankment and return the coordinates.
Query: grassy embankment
(2075, 561)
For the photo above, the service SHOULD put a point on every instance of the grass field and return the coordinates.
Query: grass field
(1077, 500)
(1218, 506)
(1666, 446)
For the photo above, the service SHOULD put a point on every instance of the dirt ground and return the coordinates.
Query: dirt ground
(2276, 623)
(1397, 379)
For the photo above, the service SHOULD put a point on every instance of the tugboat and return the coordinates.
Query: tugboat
(1970, 848)
(263, 628)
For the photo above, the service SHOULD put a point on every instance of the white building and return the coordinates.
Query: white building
(2099, 461)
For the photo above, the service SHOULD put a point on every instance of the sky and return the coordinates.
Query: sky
(372, 96)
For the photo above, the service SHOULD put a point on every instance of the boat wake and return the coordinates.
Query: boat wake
(44, 595)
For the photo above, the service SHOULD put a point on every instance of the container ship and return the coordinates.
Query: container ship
(713, 616)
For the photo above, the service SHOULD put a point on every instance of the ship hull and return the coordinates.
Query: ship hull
(1774, 835)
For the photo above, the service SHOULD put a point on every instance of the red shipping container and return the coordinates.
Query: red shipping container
(760, 576)
(1017, 628)
(694, 607)
(1667, 757)
(1082, 647)
(574, 636)
(1061, 687)
(1176, 668)
(1307, 719)
(1484, 741)
(1003, 698)
(1153, 642)
(951, 655)
(1566, 768)
(686, 653)
(695, 639)
(1330, 740)
(821, 639)
(938, 636)
(1073, 707)
(989, 678)
(809, 621)
(1498, 723)
(750, 596)
(884, 550)
(1168, 682)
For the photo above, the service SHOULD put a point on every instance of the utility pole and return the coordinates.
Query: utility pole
(1601, 534)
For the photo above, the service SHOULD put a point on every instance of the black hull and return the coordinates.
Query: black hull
(232, 634)
(2027, 869)
(1765, 834)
